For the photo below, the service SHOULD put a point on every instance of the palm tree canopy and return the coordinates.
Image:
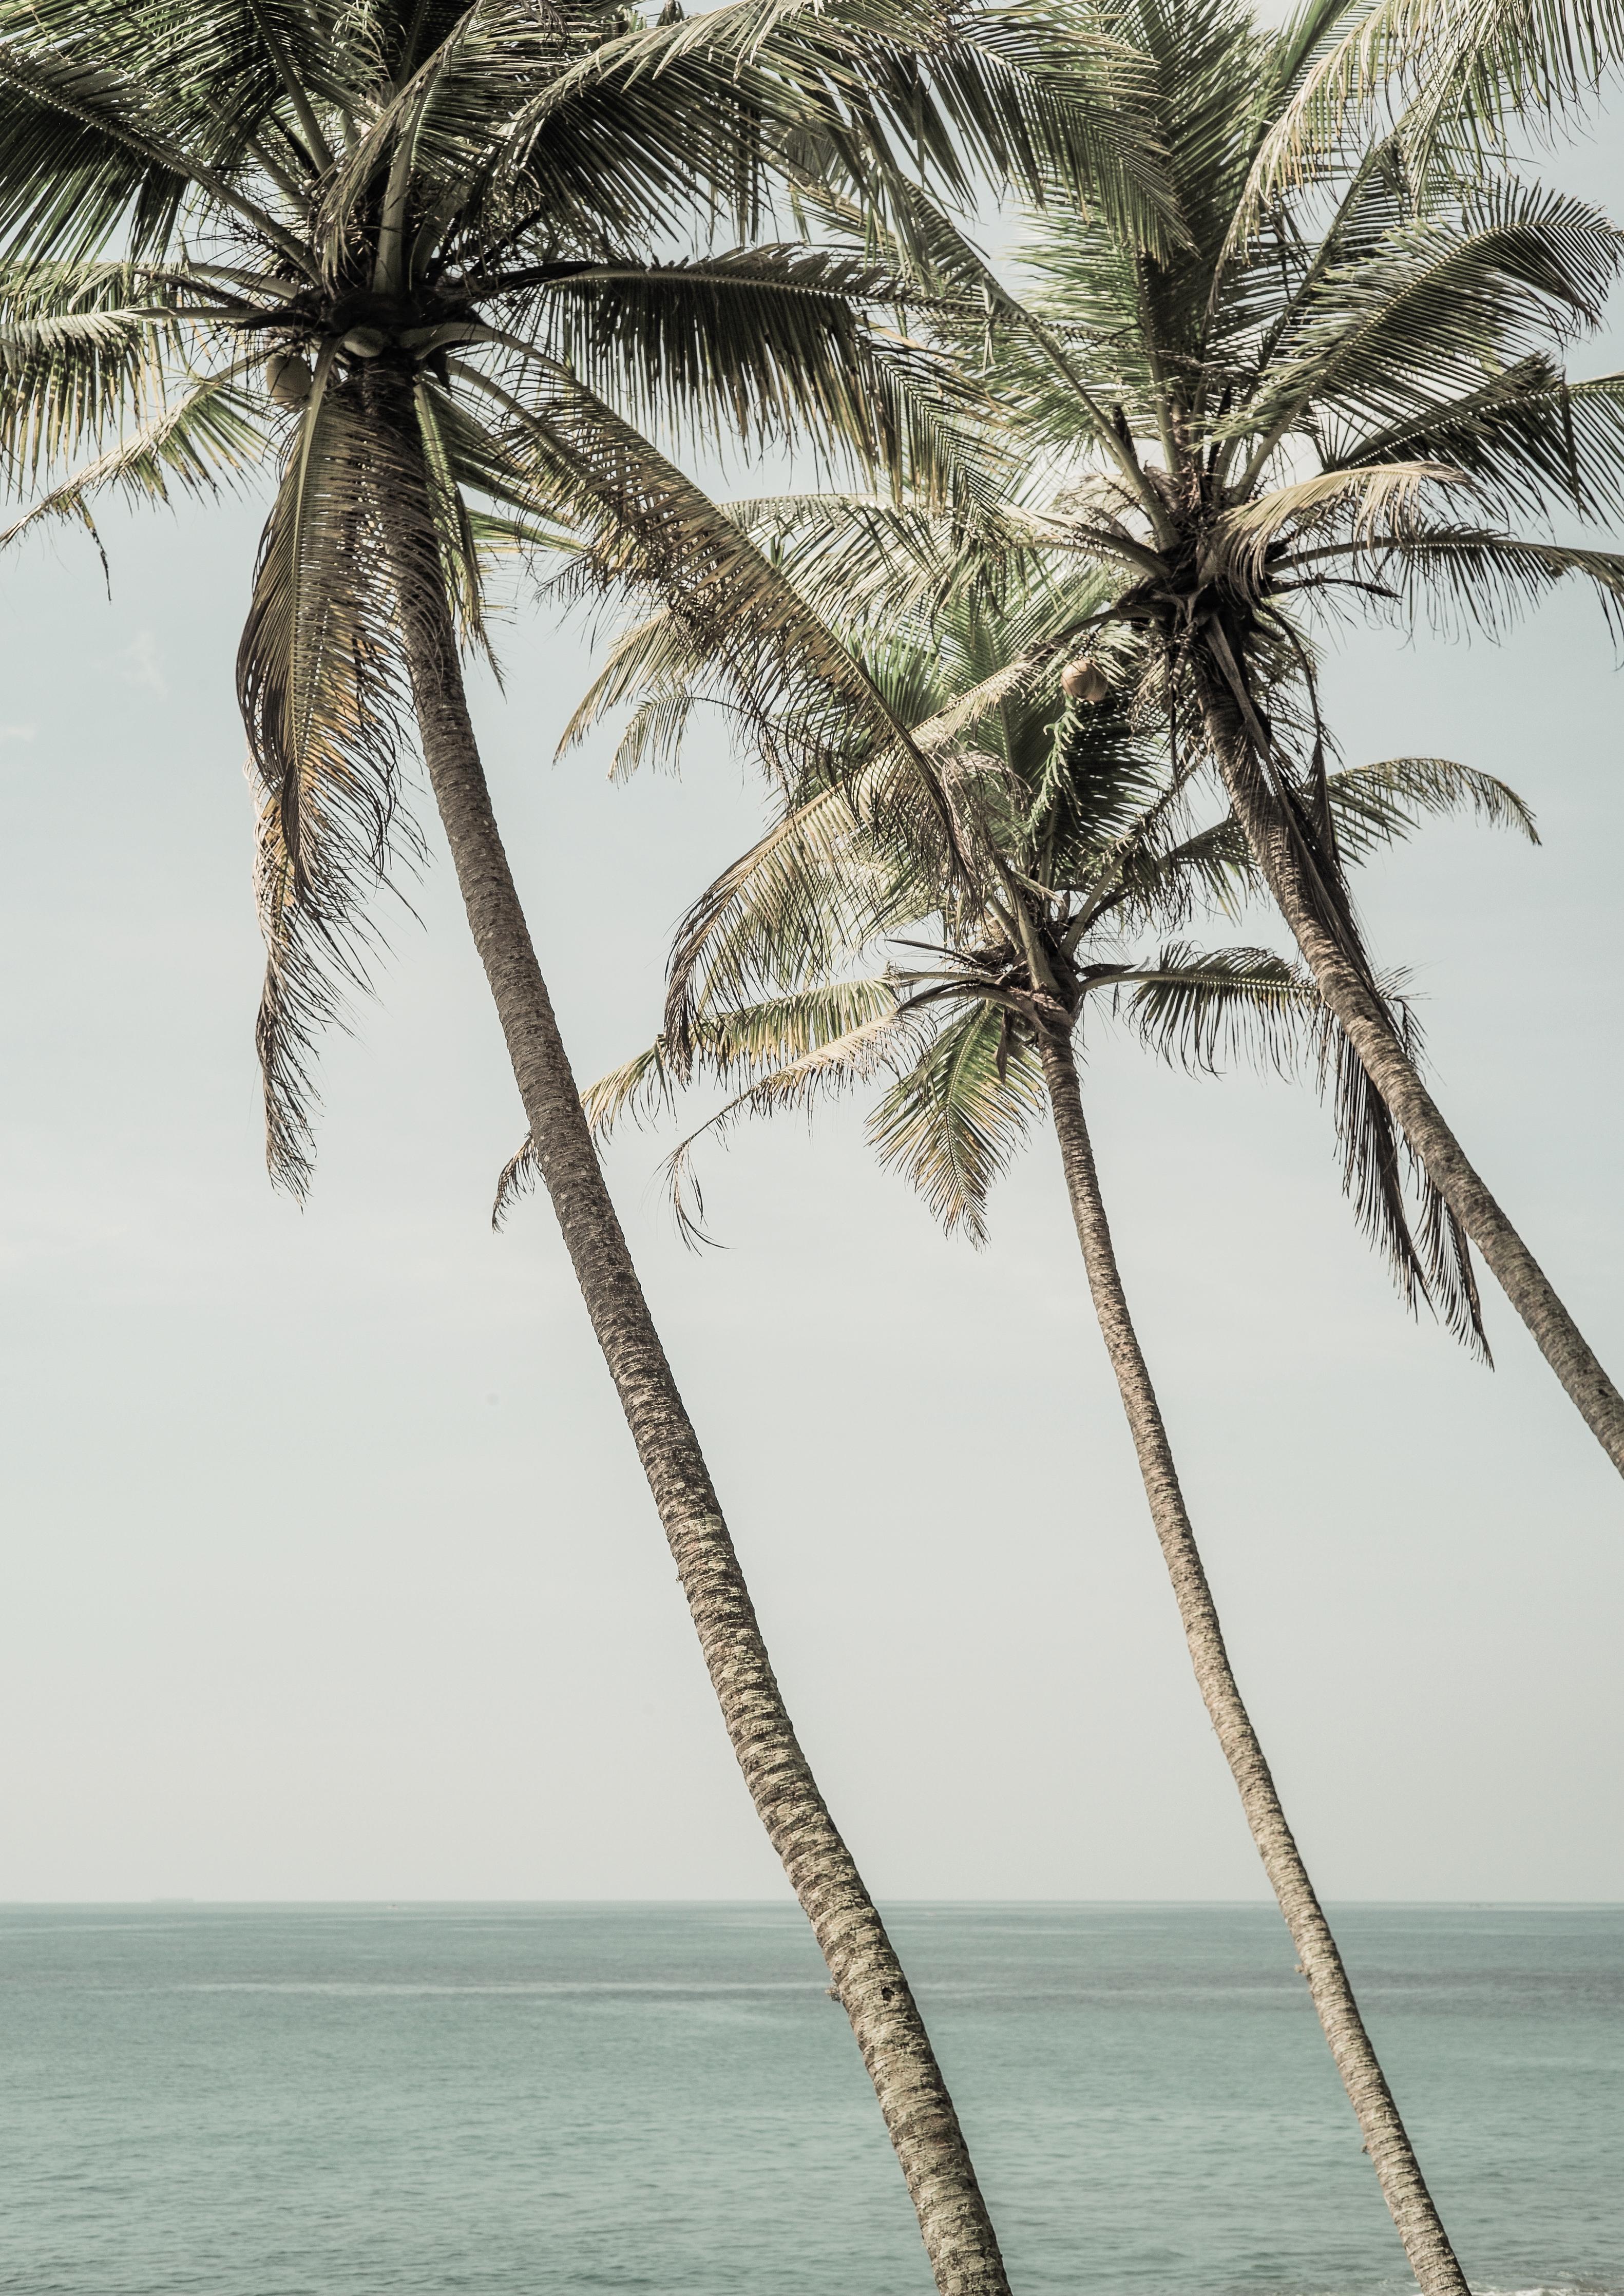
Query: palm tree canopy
(1351, 392)
(221, 225)
(858, 940)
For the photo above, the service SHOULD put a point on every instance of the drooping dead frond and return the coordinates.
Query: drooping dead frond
(518, 1177)
(1362, 506)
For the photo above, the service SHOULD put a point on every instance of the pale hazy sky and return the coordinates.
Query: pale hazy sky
(329, 1571)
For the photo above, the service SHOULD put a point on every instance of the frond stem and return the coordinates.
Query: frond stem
(321, 152)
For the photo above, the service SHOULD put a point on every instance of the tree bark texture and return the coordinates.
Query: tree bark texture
(1426, 2243)
(868, 1976)
(1412, 1106)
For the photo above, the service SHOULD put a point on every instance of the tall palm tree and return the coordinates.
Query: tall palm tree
(1344, 384)
(1070, 843)
(440, 263)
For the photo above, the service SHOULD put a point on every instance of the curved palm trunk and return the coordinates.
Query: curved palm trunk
(868, 1979)
(1412, 1106)
(1426, 2243)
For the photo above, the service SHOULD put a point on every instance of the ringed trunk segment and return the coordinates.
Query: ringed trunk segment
(1412, 1106)
(1426, 2245)
(868, 1979)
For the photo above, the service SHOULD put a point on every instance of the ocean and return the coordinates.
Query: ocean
(544, 2100)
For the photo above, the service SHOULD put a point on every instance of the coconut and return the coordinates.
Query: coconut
(364, 342)
(1083, 680)
(287, 377)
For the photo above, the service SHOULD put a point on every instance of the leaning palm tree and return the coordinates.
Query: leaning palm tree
(441, 265)
(1070, 843)
(1344, 385)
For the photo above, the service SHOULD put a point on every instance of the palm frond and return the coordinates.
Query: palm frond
(808, 898)
(1526, 438)
(1429, 1256)
(1471, 574)
(1000, 94)
(1202, 1009)
(207, 439)
(324, 696)
(830, 1069)
(1436, 308)
(89, 154)
(655, 531)
(1444, 68)
(77, 363)
(952, 1125)
(1377, 805)
(784, 1050)
(1364, 504)
(768, 343)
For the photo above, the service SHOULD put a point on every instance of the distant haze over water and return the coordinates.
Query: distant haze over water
(509, 2099)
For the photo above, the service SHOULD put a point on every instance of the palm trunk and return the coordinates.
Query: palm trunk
(868, 1979)
(1426, 2243)
(1412, 1106)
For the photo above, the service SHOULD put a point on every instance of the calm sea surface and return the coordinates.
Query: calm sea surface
(531, 2100)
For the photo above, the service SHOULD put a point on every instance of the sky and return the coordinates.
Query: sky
(328, 1571)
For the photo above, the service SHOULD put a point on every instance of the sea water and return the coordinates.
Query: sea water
(539, 2099)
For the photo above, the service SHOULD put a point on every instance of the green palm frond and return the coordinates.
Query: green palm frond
(827, 1072)
(653, 532)
(1411, 321)
(1469, 574)
(1212, 869)
(1527, 438)
(206, 439)
(1447, 68)
(769, 343)
(877, 560)
(1377, 805)
(82, 354)
(742, 1045)
(952, 1125)
(654, 669)
(1201, 1010)
(1016, 94)
(88, 149)
(804, 900)
(782, 1049)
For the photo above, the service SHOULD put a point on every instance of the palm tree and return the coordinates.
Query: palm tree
(1344, 385)
(1070, 842)
(441, 263)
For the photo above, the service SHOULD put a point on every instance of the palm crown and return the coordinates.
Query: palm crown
(1334, 377)
(459, 258)
(1070, 865)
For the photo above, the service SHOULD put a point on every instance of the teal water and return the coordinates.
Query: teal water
(531, 2100)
